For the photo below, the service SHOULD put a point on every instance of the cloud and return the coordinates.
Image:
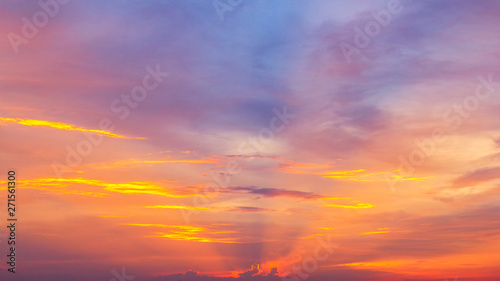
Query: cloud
(250, 209)
(477, 177)
(226, 79)
(273, 192)
(176, 207)
(245, 209)
(190, 233)
(358, 205)
(141, 162)
(61, 126)
(254, 270)
(56, 184)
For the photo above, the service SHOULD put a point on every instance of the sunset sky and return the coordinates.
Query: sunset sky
(251, 139)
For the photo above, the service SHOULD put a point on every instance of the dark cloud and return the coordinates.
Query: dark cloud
(250, 209)
(274, 192)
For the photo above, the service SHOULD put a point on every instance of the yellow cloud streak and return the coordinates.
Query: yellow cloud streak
(186, 233)
(386, 230)
(55, 185)
(335, 173)
(62, 126)
(355, 176)
(181, 236)
(358, 175)
(357, 206)
(176, 207)
(376, 232)
(128, 188)
(385, 264)
(188, 228)
(402, 178)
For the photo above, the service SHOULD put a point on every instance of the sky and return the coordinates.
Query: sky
(251, 140)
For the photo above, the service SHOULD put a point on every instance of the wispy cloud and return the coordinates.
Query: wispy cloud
(61, 126)
(273, 192)
(478, 176)
(189, 233)
(139, 162)
(128, 188)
